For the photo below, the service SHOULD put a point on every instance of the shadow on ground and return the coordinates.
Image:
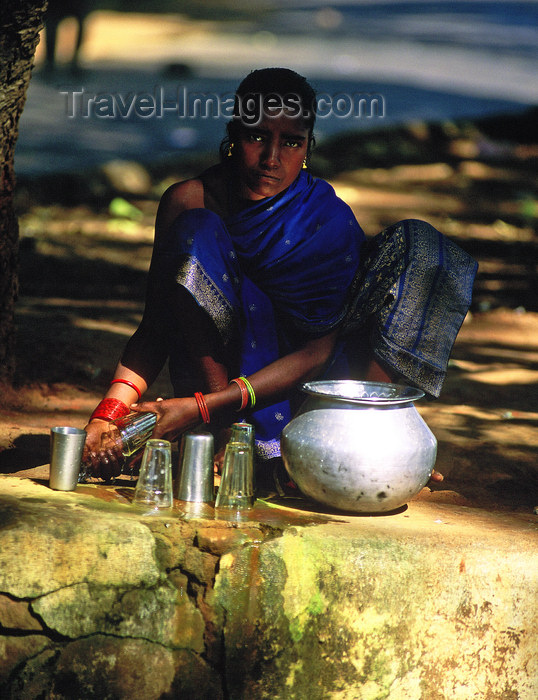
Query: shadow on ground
(83, 273)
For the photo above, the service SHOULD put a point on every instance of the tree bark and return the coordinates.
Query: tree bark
(20, 23)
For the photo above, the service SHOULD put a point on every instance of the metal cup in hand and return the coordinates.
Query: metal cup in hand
(131, 432)
(195, 479)
(67, 445)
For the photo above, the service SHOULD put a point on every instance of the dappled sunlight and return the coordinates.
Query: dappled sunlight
(93, 325)
(486, 420)
(86, 237)
(506, 376)
(360, 198)
(88, 298)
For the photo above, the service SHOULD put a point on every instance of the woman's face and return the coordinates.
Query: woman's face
(270, 155)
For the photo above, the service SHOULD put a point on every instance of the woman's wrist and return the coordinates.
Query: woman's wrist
(226, 400)
(110, 409)
(202, 407)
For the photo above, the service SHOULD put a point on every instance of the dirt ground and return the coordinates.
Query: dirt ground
(83, 268)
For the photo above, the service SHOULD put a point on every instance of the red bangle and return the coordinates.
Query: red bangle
(126, 381)
(202, 407)
(110, 409)
(244, 393)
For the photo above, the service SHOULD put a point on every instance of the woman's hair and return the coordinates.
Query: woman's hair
(271, 89)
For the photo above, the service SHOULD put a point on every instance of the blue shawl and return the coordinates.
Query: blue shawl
(296, 266)
(271, 276)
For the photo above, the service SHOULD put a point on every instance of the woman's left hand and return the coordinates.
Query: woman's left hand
(174, 416)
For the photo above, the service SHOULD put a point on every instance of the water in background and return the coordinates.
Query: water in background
(427, 60)
(510, 26)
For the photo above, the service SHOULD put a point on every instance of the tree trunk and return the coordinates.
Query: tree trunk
(20, 23)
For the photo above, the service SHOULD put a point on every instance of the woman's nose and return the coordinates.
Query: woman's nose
(271, 155)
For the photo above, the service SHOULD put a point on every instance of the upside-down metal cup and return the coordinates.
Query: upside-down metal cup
(195, 478)
(236, 489)
(154, 485)
(244, 432)
(66, 447)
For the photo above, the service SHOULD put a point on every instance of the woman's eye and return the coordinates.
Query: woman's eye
(292, 144)
(255, 138)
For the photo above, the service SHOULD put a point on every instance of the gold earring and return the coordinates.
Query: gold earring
(304, 164)
(230, 150)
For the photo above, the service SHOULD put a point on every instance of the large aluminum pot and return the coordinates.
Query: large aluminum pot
(359, 446)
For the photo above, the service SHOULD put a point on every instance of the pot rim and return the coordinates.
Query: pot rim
(364, 393)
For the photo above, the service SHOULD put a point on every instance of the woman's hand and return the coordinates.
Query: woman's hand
(100, 459)
(94, 431)
(174, 416)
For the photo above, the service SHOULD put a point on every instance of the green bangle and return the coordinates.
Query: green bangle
(250, 390)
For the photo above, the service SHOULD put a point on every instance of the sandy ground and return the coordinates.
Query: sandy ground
(83, 268)
(82, 282)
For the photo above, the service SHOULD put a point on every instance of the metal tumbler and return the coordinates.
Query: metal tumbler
(131, 432)
(236, 488)
(195, 479)
(66, 447)
(244, 432)
(154, 485)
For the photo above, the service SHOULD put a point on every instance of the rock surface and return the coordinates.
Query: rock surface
(101, 600)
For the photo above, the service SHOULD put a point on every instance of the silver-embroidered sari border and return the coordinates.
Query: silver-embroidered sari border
(192, 275)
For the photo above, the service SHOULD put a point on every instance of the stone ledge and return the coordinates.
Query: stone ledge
(438, 600)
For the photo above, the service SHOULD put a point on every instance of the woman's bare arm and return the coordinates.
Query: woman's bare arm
(270, 384)
(146, 351)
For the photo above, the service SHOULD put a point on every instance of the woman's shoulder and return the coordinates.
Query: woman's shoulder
(325, 195)
(328, 206)
(320, 185)
(187, 194)
(179, 197)
(199, 191)
(205, 191)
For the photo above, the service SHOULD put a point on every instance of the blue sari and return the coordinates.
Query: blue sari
(297, 266)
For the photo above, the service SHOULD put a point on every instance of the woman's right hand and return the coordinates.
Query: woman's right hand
(100, 461)
(174, 416)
